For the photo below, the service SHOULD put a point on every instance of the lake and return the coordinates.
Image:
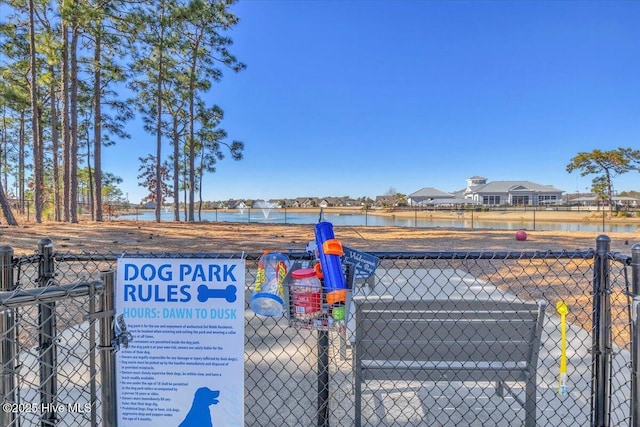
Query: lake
(280, 216)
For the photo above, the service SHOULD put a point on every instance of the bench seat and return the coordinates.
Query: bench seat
(449, 340)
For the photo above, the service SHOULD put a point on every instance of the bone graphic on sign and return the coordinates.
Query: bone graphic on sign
(228, 293)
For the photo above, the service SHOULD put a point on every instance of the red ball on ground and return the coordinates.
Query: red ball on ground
(521, 235)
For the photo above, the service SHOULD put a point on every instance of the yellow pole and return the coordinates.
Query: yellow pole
(562, 310)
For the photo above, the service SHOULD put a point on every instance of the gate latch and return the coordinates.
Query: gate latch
(123, 336)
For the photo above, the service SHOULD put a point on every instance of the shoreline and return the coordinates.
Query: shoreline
(553, 216)
(585, 215)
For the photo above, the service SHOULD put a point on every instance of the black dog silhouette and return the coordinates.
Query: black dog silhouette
(199, 415)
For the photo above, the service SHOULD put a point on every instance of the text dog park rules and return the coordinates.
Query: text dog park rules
(185, 363)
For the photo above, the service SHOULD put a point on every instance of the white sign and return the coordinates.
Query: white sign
(185, 364)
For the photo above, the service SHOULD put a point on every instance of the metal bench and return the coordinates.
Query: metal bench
(449, 340)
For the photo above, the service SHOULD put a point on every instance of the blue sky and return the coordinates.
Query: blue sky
(355, 97)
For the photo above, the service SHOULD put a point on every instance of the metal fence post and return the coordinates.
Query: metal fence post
(323, 378)
(601, 335)
(107, 355)
(7, 334)
(47, 335)
(534, 218)
(635, 336)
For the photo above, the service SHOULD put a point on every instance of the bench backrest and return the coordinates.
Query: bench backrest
(449, 331)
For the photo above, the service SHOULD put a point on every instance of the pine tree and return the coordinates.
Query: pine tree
(206, 50)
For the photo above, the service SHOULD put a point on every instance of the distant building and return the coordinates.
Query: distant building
(331, 202)
(619, 201)
(425, 195)
(235, 204)
(276, 203)
(304, 202)
(481, 192)
(388, 201)
(513, 193)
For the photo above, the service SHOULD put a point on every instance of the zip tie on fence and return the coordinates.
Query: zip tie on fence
(562, 310)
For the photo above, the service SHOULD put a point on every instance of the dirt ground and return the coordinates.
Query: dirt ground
(547, 278)
(145, 236)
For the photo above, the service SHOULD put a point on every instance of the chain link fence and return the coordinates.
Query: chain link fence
(49, 355)
(53, 351)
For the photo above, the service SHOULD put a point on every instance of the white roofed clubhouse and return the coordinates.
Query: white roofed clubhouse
(496, 193)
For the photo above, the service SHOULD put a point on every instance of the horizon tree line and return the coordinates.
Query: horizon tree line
(64, 66)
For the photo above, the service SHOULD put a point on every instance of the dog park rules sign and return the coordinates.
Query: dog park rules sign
(182, 321)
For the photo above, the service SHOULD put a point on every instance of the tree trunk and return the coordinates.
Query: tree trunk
(609, 193)
(64, 111)
(4, 203)
(159, 120)
(55, 147)
(35, 125)
(186, 184)
(73, 103)
(90, 178)
(4, 148)
(176, 170)
(200, 178)
(159, 143)
(6, 208)
(192, 139)
(191, 160)
(21, 163)
(97, 129)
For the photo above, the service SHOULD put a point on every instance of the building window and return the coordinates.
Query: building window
(547, 198)
(490, 200)
(519, 200)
